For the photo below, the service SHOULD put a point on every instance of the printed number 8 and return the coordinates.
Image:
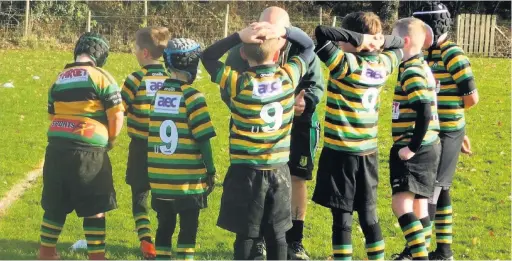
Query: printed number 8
(171, 141)
(277, 118)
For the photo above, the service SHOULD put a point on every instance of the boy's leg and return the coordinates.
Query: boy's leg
(166, 216)
(51, 228)
(371, 229)
(402, 203)
(94, 229)
(189, 223)
(422, 213)
(443, 222)
(243, 247)
(341, 234)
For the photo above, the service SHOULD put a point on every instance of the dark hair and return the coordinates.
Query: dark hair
(362, 22)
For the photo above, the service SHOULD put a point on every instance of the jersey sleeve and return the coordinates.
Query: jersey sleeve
(51, 106)
(414, 83)
(110, 94)
(459, 67)
(295, 68)
(227, 79)
(341, 64)
(130, 88)
(199, 121)
(391, 59)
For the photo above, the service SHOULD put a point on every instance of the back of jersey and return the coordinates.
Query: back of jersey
(80, 101)
(178, 121)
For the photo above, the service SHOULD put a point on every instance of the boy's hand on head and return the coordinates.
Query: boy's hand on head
(405, 153)
(250, 35)
(372, 43)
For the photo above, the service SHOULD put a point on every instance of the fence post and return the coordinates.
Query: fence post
(145, 13)
(226, 21)
(493, 26)
(89, 21)
(334, 21)
(27, 12)
(320, 15)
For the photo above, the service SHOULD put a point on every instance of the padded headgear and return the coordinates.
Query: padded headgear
(94, 45)
(435, 15)
(183, 54)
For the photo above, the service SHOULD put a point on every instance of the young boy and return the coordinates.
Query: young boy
(414, 157)
(456, 92)
(138, 91)
(84, 105)
(348, 169)
(180, 162)
(256, 196)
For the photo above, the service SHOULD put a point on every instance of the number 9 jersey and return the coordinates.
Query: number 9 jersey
(178, 121)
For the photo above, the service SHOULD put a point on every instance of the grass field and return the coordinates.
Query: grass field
(481, 191)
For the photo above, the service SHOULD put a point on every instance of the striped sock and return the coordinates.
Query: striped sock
(50, 229)
(413, 232)
(163, 252)
(143, 226)
(94, 229)
(374, 242)
(342, 252)
(185, 251)
(444, 228)
(427, 230)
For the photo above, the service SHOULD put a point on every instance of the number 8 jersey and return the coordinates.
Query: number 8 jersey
(178, 121)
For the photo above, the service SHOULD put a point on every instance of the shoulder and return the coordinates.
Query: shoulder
(450, 46)
(103, 76)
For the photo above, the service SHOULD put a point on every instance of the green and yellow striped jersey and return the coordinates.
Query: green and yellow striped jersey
(178, 121)
(138, 91)
(416, 84)
(450, 68)
(80, 100)
(261, 104)
(353, 101)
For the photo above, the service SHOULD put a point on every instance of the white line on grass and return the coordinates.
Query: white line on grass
(17, 191)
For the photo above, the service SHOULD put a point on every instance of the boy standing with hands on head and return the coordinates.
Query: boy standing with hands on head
(414, 157)
(180, 162)
(347, 176)
(256, 197)
(138, 91)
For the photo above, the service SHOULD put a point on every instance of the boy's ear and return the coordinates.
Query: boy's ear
(407, 41)
(242, 54)
(145, 52)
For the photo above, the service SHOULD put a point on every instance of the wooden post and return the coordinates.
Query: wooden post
(471, 33)
(493, 26)
(226, 19)
(477, 34)
(27, 12)
(487, 34)
(467, 23)
(320, 15)
(458, 30)
(482, 34)
(145, 13)
(460, 40)
(89, 21)
(334, 21)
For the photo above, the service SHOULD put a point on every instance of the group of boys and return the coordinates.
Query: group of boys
(170, 130)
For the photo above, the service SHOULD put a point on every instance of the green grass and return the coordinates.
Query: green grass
(481, 191)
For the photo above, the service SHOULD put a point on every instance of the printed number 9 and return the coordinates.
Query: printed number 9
(171, 141)
(277, 118)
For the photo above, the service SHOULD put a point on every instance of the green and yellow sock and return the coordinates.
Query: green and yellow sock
(94, 229)
(374, 242)
(143, 226)
(413, 232)
(163, 252)
(185, 251)
(342, 252)
(427, 230)
(444, 228)
(51, 227)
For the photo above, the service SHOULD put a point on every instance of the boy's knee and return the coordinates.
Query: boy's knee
(368, 218)
(100, 215)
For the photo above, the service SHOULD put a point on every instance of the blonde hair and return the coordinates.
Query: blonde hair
(413, 28)
(154, 39)
(362, 22)
(260, 52)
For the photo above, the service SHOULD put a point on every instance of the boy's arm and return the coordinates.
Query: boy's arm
(110, 95)
(221, 74)
(130, 88)
(325, 34)
(51, 106)
(392, 53)
(207, 155)
(423, 116)
(459, 67)
(300, 39)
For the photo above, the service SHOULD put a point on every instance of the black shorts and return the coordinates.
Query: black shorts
(417, 174)
(170, 207)
(303, 145)
(451, 143)
(137, 166)
(347, 181)
(182, 204)
(253, 199)
(77, 179)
